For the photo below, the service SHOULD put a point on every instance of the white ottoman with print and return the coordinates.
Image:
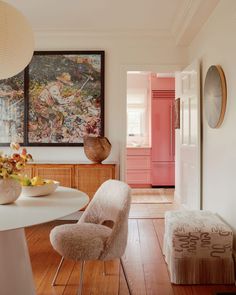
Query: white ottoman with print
(198, 248)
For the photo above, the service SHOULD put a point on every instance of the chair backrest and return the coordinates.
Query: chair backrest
(110, 207)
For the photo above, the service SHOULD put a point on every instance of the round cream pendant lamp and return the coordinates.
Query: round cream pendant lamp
(16, 41)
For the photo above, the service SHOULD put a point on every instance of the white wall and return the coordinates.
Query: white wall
(216, 44)
(122, 52)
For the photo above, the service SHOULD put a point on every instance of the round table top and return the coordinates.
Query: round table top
(27, 211)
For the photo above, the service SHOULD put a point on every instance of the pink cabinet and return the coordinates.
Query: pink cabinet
(163, 138)
(163, 173)
(163, 134)
(138, 167)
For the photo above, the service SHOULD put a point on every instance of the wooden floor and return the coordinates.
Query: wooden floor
(143, 259)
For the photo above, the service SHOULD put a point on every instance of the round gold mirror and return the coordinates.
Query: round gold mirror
(215, 96)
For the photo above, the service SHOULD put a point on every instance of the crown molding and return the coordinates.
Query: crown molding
(180, 17)
(191, 17)
(51, 32)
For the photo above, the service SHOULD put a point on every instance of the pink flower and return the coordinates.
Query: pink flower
(11, 165)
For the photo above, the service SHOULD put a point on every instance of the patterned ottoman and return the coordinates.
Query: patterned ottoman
(198, 248)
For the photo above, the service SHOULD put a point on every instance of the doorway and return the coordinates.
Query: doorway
(150, 140)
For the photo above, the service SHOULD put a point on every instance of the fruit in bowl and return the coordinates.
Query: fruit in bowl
(35, 181)
(37, 186)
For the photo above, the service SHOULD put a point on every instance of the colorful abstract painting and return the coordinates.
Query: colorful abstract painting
(12, 109)
(65, 97)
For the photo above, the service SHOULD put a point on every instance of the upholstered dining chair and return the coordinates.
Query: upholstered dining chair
(101, 232)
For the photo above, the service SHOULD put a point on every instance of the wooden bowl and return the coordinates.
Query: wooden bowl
(97, 149)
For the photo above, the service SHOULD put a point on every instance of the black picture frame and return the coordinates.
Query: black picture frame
(63, 98)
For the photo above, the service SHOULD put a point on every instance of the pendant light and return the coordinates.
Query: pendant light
(16, 41)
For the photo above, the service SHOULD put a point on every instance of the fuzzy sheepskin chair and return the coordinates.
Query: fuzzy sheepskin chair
(102, 231)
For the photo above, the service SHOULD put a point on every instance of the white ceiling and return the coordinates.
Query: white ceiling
(160, 17)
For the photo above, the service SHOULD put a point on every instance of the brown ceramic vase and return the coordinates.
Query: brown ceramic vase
(97, 149)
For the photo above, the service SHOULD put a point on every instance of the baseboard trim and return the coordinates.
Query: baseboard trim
(163, 186)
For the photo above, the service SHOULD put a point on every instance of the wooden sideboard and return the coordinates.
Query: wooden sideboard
(85, 177)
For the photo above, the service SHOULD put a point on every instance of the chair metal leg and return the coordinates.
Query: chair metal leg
(81, 278)
(125, 275)
(57, 271)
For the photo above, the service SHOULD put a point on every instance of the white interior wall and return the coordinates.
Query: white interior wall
(216, 44)
(123, 52)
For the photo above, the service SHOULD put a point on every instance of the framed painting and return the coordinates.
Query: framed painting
(12, 110)
(65, 97)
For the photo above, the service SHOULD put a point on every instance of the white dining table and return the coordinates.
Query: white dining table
(16, 277)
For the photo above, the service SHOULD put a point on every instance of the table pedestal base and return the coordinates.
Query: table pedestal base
(15, 268)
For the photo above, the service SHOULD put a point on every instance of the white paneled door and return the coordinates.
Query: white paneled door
(190, 137)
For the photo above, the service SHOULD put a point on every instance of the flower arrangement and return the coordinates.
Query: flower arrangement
(12, 165)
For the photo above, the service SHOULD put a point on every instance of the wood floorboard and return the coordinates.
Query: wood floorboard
(149, 245)
(136, 278)
(132, 253)
(112, 278)
(123, 288)
(159, 225)
(133, 261)
(94, 282)
(156, 278)
(145, 266)
(73, 283)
